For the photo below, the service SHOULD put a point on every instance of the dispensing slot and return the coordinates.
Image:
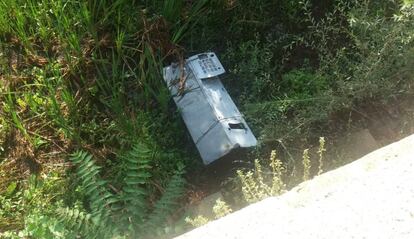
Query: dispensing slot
(237, 126)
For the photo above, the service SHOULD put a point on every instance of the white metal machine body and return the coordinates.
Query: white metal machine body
(212, 118)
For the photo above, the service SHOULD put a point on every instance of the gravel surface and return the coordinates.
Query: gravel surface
(372, 197)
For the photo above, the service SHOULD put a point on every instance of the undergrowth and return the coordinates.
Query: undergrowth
(86, 76)
(332, 60)
(261, 182)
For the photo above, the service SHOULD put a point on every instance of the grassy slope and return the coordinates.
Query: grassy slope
(86, 75)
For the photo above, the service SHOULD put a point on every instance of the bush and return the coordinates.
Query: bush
(354, 52)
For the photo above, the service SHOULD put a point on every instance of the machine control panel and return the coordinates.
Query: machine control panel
(206, 65)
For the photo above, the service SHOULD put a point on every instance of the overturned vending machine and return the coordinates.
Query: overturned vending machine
(212, 118)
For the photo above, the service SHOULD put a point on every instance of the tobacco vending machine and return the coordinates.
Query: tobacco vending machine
(211, 117)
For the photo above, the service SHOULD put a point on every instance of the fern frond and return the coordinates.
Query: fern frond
(100, 199)
(167, 203)
(137, 175)
(76, 221)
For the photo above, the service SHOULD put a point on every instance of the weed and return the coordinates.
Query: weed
(17, 206)
(221, 209)
(321, 151)
(306, 165)
(197, 221)
(253, 185)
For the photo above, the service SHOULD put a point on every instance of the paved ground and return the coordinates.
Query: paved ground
(372, 197)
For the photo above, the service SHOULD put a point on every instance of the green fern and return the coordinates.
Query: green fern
(99, 198)
(167, 203)
(127, 213)
(137, 176)
(77, 220)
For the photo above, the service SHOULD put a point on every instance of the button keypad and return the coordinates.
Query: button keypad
(207, 65)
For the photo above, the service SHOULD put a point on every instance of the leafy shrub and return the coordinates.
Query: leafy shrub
(252, 70)
(302, 84)
(352, 52)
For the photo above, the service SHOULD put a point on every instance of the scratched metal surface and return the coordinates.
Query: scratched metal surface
(212, 119)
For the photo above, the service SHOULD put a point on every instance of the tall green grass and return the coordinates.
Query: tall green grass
(90, 56)
(87, 74)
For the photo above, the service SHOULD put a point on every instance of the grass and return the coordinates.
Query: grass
(86, 75)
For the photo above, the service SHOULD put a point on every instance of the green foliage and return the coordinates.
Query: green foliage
(303, 84)
(306, 160)
(242, 20)
(321, 151)
(126, 213)
(253, 70)
(337, 56)
(88, 74)
(221, 209)
(136, 176)
(197, 221)
(11, 209)
(94, 83)
(73, 222)
(306, 165)
(3, 134)
(256, 185)
(94, 188)
(26, 207)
